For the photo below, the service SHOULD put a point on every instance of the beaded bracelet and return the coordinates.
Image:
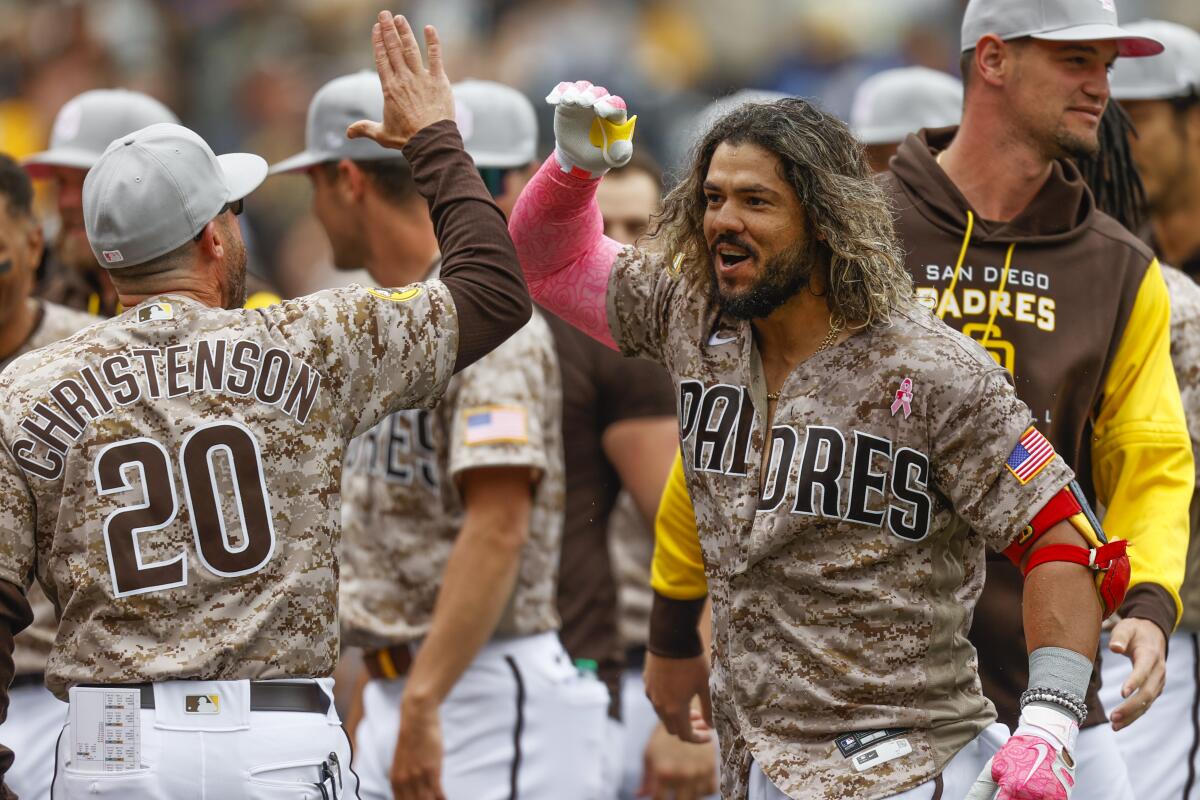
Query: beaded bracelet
(1077, 708)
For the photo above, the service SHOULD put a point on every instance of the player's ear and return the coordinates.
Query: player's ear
(993, 59)
(34, 243)
(212, 242)
(351, 181)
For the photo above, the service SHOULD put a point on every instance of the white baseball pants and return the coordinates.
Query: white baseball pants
(35, 718)
(522, 722)
(1162, 748)
(233, 753)
(956, 778)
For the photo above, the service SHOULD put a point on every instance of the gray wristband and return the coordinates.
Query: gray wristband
(1060, 670)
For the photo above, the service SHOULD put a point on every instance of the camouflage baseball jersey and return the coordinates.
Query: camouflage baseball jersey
(1185, 356)
(842, 590)
(33, 644)
(402, 510)
(173, 475)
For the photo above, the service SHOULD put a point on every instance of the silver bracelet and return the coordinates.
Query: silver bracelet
(1076, 707)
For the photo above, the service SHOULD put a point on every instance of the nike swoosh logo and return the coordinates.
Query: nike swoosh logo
(717, 339)
(1042, 752)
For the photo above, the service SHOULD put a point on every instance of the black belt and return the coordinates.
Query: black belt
(29, 679)
(264, 695)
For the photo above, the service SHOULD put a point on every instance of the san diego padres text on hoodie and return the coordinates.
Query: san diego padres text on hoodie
(1075, 307)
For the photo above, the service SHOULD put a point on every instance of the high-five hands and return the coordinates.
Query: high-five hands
(592, 133)
(413, 97)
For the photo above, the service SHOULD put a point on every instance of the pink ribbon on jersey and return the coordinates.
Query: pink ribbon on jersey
(904, 396)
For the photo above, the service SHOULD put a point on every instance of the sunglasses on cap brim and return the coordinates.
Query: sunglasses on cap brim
(235, 206)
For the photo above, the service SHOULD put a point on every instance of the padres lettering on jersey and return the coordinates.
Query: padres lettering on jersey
(810, 466)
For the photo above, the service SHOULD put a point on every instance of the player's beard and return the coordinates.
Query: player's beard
(235, 270)
(779, 279)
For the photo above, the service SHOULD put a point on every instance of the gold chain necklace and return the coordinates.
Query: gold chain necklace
(834, 329)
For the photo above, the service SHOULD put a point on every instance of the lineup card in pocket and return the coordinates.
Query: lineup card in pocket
(105, 729)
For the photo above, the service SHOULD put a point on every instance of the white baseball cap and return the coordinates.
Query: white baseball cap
(88, 122)
(1053, 21)
(337, 105)
(156, 188)
(891, 104)
(1173, 73)
(498, 124)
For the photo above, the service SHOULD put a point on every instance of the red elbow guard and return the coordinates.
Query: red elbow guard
(1063, 505)
(1110, 561)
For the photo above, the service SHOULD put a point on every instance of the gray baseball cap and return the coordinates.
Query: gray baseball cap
(88, 122)
(336, 105)
(156, 188)
(1173, 73)
(1053, 21)
(497, 123)
(891, 104)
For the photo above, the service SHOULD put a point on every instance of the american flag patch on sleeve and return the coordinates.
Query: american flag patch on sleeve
(495, 424)
(1030, 456)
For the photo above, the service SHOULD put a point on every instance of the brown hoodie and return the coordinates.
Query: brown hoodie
(1076, 309)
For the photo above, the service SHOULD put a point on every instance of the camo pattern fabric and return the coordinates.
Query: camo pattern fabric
(173, 476)
(402, 506)
(1185, 356)
(33, 644)
(842, 589)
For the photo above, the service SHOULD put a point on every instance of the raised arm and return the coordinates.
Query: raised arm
(556, 225)
(479, 265)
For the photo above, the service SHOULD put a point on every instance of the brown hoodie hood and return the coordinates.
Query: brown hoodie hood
(1048, 294)
(1059, 213)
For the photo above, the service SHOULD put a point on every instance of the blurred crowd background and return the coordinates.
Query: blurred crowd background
(241, 72)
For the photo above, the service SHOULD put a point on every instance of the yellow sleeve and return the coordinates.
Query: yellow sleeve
(678, 567)
(1141, 453)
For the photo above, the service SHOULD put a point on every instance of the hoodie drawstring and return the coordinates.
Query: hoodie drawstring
(987, 333)
(962, 256)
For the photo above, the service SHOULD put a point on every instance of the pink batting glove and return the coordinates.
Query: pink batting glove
(1035, 763)
(592, 132)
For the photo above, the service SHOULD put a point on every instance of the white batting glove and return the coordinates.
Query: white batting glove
(592, 133)
(1035, 763)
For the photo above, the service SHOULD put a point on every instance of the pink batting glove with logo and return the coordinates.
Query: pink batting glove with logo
(1035, 763)
(592, 132)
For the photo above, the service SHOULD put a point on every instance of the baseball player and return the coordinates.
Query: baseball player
(890, 105)
(82, 129)
(453, 519)
(654, 763)
(1006, 245)
(172, 476)
(849, 457)
(1160, 94)
(35, 715)
(618, 431)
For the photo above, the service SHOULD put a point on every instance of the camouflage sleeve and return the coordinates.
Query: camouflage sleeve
(990, 461)
(16, 522)
(384, 349)
(497, 416)
(641, 291)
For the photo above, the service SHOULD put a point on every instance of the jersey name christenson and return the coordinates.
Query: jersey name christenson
(271, 376)
(717, 422)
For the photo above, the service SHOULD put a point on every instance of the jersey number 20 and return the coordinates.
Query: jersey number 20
(151, 463)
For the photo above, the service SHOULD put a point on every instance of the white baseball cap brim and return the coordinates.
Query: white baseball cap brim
(301, 162)
(244, 172)
(42, 165)
(1129, 45)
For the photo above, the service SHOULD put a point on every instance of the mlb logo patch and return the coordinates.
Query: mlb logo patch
(202, 704)
(1030, 456)
(495, 424)
(112, 256)
(155, 311)
(1109, 5)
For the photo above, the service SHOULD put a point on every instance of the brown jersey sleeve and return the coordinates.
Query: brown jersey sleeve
(479, 263)
(15, 616)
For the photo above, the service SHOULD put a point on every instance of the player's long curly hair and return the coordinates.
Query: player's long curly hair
(849, 220)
